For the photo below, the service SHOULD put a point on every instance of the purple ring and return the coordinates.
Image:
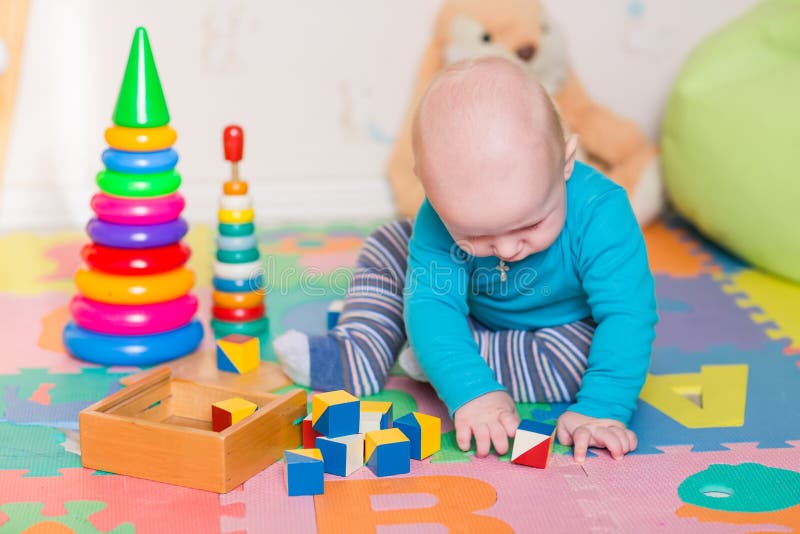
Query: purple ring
(136, 236)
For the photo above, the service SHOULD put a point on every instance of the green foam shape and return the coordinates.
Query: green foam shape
(25, 515)
(750, 487)
(141, 102)
(35, 448)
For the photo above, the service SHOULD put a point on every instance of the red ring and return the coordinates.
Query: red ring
(238, 314)
(135, 261)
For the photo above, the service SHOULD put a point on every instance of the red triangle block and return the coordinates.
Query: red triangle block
(537, 456)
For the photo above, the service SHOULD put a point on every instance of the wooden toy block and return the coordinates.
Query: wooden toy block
(229, 412)
(533, 443)
(237, 353)
(387, 452)
(335, 413)
(375, 415)
(159, 428)
(304, 472)
(309, 434)
(334, 311)
(342, 455)
(424, 431)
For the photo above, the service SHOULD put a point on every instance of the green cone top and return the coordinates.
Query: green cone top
(141, 102)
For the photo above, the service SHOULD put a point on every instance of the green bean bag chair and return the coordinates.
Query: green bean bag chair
(731, 138)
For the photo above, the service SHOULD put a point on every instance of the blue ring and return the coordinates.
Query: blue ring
(238, 256)
(238, 286)
(236, 230)
(132, 350)
(136, 236)
(140, 162)
(225, 242)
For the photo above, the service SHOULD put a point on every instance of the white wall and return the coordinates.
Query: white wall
(319, 86)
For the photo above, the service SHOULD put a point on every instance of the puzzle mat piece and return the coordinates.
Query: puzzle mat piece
(149, 506)
(771, 301)
(673, 252)
(67, 393)
(727, 262)
(603, 495)
(771, 414)
(713, 320)
(620, 484)
(23, 516)
(26, 268)
(36, 449)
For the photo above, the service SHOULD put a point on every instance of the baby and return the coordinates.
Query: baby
(525, 279)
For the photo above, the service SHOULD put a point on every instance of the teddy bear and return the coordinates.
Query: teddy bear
(521, 31)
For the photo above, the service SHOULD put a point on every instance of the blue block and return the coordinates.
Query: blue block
(391, 459)
(339, 420)
(224, 363)
(343, 455)
(303, 475)
(536, 427)
(334, 311)
(409, 425)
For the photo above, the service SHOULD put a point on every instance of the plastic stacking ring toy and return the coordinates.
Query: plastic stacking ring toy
(236, 243)
(142, 289)
(234, 187)
(255, 283)
(132, 350)
(247, 299)
(127, 261)
(136, 236)
(237, 271)
(132, 320)
(238, 314)
(238, 256)
(251, 328)
(140, 162)
(121, 210)
(235, 202)
(236, 230)
(235, 216)
(141, 139)
(138, 185)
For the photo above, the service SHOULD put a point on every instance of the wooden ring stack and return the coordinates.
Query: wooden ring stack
(134, 305)
(238, 273)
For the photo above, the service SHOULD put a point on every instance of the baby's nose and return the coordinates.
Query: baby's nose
(505, 249)
(525, 53)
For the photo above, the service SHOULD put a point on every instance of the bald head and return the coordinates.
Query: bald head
(478, 121)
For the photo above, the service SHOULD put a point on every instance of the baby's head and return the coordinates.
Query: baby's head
(492, 157)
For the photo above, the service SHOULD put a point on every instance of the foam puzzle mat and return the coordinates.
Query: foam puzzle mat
(718, 420)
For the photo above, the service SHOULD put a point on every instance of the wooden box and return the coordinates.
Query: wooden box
(159, 428)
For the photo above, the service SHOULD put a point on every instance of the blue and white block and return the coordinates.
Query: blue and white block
(342, 455)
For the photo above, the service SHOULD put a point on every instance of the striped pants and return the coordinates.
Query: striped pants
(544, 365)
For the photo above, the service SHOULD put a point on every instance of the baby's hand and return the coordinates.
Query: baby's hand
(492, 418)
(583, 432)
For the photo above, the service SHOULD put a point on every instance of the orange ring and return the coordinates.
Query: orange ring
(248, 299)
(140, 139)
(234, 187)
(138, 289)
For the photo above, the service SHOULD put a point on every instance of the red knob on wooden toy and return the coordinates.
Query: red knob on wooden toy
(233, 141)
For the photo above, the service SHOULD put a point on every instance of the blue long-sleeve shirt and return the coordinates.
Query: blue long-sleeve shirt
(597, 267)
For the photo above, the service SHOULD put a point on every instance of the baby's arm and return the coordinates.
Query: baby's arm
(436, 320)
(612, 262)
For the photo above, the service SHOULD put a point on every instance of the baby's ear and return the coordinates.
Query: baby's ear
(570, 149)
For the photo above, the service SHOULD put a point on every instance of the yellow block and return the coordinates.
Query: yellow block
(376, 406)
(242, 351)
(372, 440)
(430, 433)
(235, 216)
(721, 389)
(311, 453)
(321, 401)
(237, 407)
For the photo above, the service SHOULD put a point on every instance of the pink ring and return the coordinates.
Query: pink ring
(138, 210)
(118, 319)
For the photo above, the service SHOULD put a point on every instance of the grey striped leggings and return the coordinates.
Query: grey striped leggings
(544, 365)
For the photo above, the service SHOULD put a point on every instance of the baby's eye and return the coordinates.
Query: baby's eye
(486, 38)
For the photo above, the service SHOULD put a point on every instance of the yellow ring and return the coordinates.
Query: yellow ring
(249, 299)
(141, 139)
(142, 289)
(235, 216)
